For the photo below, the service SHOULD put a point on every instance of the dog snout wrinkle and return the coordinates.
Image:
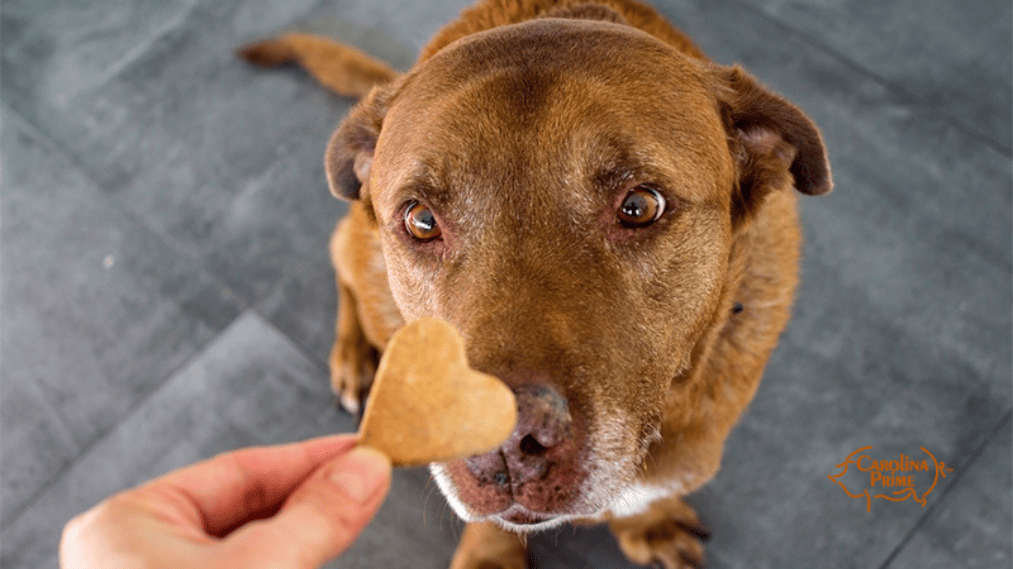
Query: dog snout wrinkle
(490, 469)
(544, 424)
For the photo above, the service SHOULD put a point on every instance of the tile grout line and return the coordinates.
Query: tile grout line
(299, 346)
(892, 86)
(185, 253)
(171, 243)
(138, 51)
(957, 478)
(129, 412)
(60, 473)
(244, 306)
(104, 435)
(48, 143)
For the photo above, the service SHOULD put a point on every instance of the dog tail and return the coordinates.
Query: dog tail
(338, 67)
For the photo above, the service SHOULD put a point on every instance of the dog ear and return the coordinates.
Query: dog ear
(349, 153)
(775, 142)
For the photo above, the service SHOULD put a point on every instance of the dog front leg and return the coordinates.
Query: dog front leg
(353, 359)
(668, 534)
(485, 546)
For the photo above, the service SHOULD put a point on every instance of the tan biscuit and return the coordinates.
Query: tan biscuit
(426, 405)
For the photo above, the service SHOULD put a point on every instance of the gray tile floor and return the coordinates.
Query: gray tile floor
(166, 293)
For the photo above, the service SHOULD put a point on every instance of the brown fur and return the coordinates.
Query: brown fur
(341, 68)
(522, 126)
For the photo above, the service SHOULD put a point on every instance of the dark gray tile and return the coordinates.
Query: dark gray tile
(36, 442)
(569, 546)
(304, 305)
(398, 23)
(854, 370)
(952, 55)
(97, 312)
(972, 526)
(273, 228)
(251, 386)
(894, 345)
(54, 51)
(222, 159)
(414, 528)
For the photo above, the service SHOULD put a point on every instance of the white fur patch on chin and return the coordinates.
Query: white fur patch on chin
(636, 498)
(439, 473)
(530, 528)
(623, 497)
(604, 489)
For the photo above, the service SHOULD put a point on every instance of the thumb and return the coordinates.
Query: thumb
(321, 518)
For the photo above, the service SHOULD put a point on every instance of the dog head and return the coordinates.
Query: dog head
(566, 193)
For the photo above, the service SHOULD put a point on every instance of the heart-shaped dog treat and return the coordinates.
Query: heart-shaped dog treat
(426, 405)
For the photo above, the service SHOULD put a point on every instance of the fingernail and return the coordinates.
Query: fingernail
(361, 472)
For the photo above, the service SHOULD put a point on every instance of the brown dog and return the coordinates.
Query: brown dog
(606, 216)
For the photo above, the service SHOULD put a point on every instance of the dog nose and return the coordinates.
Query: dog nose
(544, 427)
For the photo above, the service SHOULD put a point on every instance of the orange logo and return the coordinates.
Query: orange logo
(901, 476)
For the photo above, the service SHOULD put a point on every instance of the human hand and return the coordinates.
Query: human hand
(294, 506)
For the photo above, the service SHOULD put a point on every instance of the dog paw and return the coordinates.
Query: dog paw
(668, 536)
(352, 371)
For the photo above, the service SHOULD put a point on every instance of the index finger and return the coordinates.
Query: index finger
(224, 492)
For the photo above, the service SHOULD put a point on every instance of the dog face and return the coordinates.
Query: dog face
(565, 193)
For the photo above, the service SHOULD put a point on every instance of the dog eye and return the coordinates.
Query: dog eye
(642, 207)
(420, 222)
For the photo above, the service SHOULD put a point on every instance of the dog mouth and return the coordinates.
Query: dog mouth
(527, 487)
(520, 519)
(514, 509)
